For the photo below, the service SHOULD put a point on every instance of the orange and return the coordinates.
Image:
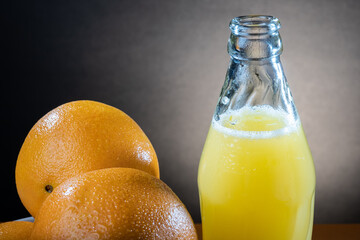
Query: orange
(74, 138)
(16, 230)
(113, 203)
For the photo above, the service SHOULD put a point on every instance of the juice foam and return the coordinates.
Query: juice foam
(256, 123)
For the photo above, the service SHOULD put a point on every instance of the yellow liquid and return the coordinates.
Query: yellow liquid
(256, 178)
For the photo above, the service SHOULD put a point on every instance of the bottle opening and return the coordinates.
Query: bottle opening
(254, 24)
(254, 37)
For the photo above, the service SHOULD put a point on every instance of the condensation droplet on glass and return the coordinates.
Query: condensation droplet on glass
(225, 100)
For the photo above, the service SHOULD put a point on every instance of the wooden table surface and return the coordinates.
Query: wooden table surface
(325, 231)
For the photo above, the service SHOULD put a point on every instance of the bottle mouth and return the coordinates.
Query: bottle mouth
(254, 25)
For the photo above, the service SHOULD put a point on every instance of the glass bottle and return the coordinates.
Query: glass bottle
(256, 174)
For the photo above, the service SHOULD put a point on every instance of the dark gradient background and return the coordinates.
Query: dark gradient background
(164, 62)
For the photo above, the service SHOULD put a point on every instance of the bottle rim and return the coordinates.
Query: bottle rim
(254, 25)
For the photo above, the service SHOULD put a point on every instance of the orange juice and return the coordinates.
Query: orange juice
(256, 177)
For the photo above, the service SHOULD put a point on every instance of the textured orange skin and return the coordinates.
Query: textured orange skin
(16, 230)
(78, 137)
(113, 203)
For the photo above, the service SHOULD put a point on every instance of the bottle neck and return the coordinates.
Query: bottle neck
(255, 83)
(255, 76)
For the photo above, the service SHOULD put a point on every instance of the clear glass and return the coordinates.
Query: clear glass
(256, 174)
